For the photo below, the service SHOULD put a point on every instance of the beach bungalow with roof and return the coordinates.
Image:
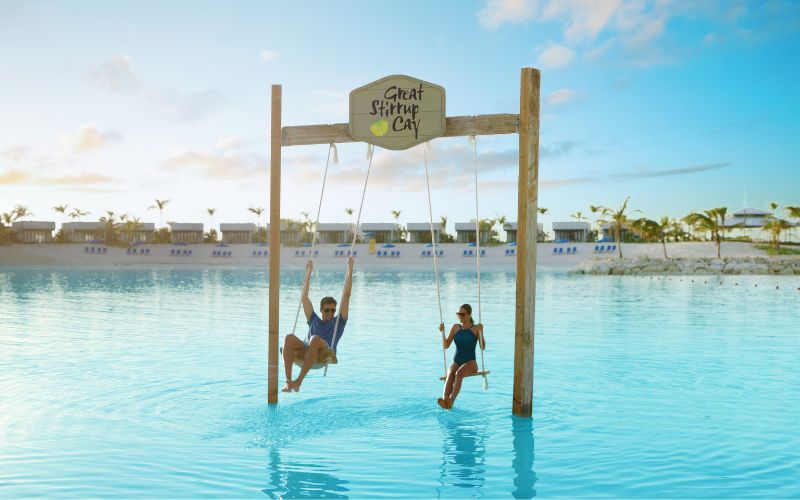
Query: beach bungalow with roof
(381, 232)
(291, 234)
(31, 231)
(748, 222)
(84, 232)
(420, 232)
(465, 233)
(145, 232)
(334, 232)
(511, 232)
(234, 233)
(573, 232)
(625, 234)
(186, 233)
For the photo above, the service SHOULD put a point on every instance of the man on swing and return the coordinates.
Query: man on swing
(320, 330)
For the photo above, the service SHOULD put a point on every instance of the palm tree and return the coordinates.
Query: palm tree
(8, 218)
(652, 230)
(21, 211)
(578, 216)
(109, 222)
(712, 221)
(776, 226)
(500, 220)
(131, 225)
(212, 233)
(62, 209)
(543, 210)
(211, 212)
(617, 216)
(793, 212)
(160, 204)
(306, 225)
(258, 211)
(77, 214)
(396, 215)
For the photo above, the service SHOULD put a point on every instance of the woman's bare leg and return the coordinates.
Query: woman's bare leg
(464, 370)
(448, 386)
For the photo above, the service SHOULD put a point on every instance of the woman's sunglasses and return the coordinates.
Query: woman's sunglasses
(460, 314)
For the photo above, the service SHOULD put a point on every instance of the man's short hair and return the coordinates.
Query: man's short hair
(326, 300)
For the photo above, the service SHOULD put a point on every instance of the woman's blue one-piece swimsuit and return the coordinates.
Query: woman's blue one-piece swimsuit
(465, 346)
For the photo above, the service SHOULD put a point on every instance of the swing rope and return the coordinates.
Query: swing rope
(474, 143)
(435, 258)
(370, 151)
(331, 149)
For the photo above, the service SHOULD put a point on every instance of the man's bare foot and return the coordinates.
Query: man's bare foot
(449, 403)
(296, 386)
(442, 403)
(288, 387)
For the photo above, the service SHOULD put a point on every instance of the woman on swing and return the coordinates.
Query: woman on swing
(466, 335)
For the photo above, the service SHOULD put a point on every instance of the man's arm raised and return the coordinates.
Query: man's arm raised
(308, 308)
(348, 287)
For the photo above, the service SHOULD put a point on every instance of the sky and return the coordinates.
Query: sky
(679, 105)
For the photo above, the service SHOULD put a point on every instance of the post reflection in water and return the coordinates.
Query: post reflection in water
(300, 480)
(524, 476)
(463, 454)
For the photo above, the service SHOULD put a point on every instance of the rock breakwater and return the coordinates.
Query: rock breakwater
(786, 265)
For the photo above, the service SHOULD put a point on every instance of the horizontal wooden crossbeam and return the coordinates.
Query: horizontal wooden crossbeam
(455, 126)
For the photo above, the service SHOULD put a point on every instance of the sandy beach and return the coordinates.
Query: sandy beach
(408, 256)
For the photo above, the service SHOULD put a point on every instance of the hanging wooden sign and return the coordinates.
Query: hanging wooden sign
(397, 112)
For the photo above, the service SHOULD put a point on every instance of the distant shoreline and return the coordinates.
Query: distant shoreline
(406, 256)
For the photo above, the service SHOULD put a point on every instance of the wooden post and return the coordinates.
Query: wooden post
(527, 234)
(274, 246)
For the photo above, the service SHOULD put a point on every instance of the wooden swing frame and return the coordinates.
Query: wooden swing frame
(526, 124)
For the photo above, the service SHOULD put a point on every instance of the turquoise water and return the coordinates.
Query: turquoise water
(152, 383)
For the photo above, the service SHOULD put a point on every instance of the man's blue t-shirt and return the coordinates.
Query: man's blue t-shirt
(325, 329)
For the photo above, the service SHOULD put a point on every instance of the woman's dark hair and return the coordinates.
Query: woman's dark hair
(468, 308)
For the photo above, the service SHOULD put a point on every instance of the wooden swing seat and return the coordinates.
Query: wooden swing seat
(487, 372)
(324, 357)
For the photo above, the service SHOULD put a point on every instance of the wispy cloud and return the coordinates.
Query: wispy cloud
(560, 96)
(499, 12)
(17, 153)
(643, 172)
(584, 19)
(88, 138)
(117, 74)
(268, 55)
(218, 165)
(637, 173)
(13, 177)
(555, 56)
